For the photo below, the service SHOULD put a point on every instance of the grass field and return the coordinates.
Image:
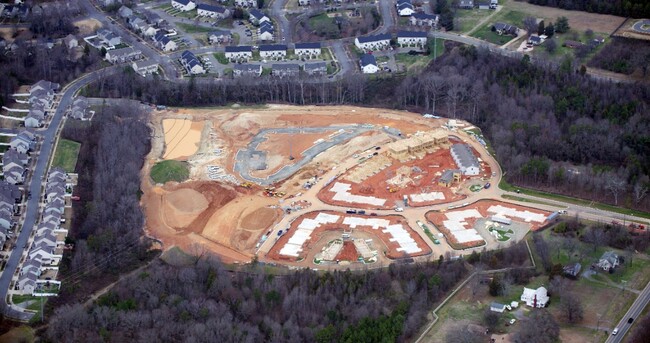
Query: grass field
(624, 211)
(485, 33)
(414, 63)
(170, 170)
(221, 58)
(468, 19)
(190, 28)
(66, 155)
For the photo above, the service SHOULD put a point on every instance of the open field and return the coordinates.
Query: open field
(87, 26)
(181, 138)
(66, 154)
(165, 171)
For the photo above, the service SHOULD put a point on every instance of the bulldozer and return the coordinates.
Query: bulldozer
(246, 184)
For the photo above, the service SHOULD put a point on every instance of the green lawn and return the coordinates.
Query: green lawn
(467, 19)
(221, 58)
(66, 155)
(414, 63)
(516, 198)
(326, 54)
(191, 28)
(170, 170)
(485, 33)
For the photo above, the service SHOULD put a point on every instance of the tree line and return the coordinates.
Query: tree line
(207, 303)
(552, 127)
(624, 8)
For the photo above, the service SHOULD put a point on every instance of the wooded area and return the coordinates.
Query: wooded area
(107, 223)
(623, 8)
(206, 303)
(552, 128)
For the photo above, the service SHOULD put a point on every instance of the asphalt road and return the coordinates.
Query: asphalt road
(387, 10)
(38, 176)
(635, 310)
(278, 14)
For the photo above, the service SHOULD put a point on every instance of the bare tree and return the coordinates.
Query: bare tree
(460, 334)
(615, 185)
(595, 236)
(640, 190)
(540, 327)
(530, 24)
(572, 308)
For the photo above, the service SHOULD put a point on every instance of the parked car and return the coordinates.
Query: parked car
(512, 321)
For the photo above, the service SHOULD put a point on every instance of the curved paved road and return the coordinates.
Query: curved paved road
(38, 175)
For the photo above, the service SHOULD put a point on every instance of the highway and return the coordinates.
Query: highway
(635, 310)
(37, 182)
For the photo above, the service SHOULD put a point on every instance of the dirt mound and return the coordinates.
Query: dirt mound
(348, 253)
(217, 195)
(183, 206)
(260, 218)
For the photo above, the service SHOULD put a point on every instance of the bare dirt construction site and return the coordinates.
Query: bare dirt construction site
(248, 168)
(473, 225)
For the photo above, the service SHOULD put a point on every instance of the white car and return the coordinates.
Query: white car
(614, 332)
(399, 209)
(512, 321)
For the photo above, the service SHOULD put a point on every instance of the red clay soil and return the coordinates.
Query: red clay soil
(348, 252)
(377, 185)
(481, 206)
(390, 247)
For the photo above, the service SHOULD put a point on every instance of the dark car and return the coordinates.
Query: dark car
(629, 321)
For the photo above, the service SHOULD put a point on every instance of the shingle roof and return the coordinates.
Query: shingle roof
(308, 45)
(273, 47)
(367, 59)
(413, 34)
(240, 48)
(464, 155)
(374, 38)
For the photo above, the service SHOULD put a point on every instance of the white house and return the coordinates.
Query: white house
(183, 5)
(496, 307)
(257, 17)
(376, 42)
(537, 298)
(368, 64)
(123, 55)
(465, 159)
(191, 63)
(246, 69)
(109, 38)
(45, 253)
(23, 141)
(27, 283)
(164, 43)
(608, 261)
(145, 68)
(239, 53)
(309, 50)
(265, 32)
(273, 51)
(219, 37)
(412, 38)
(423, 19)
(404, 8)
(246, 3)
(315, 68)
(211, 11)
(287, 69)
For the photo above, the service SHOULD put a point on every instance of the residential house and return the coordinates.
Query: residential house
(466, 4)
(572, 270)
(220, 37)
(265, 32)
(138, 24)
(286, 69)
(211, 11)
(239, 53)
(150, 31)
(71, 41)
(256, 17)
(6, 218)
(315, 68)
(273, 51)
(124, 12)
(449, 176)
(27, 283)
(535, 40)
(24, 141)
(53, 192)
(373, 42)
(47, 86)
(496, 307)
(465, 159)
(152, 17)
(307, 50)
(505, 29)
(423, 19)
(79, 108)
(246, 3)
(57, 205)
(31, 265)
(106, 3)
(10, 192)
(145, 68)
(412, 38)
(404, 8)
(47, 238)
(13, 166)
(123, 55)
(45, 253)
(164, 43)
(35, 118)
(109, 38)
(191, 63)
(537, 298)
(183, 5)
(246, 69)
(50, 226)
(608, 261)
(483, 5)
(368, 64)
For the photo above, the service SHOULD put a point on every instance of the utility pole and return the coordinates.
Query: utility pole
(435, 50)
